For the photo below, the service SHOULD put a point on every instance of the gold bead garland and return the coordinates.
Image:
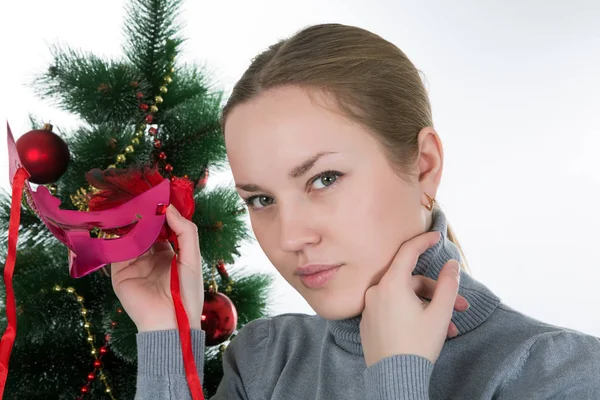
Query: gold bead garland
(149, 117)
(96, 353)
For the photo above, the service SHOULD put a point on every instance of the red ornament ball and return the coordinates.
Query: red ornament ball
(43, 154)
(219, 318)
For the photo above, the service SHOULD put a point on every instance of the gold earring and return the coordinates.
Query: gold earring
(429, 206)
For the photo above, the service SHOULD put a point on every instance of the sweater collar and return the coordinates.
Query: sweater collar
(483, 302)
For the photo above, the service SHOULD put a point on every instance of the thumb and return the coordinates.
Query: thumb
(444, 297)
(187, 238)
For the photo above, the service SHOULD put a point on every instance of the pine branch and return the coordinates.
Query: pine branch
(100, 91)
(220, 226)
(189, 84)
(152, 30)
(191, 136)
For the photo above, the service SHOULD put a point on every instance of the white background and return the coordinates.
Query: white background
(515, 88)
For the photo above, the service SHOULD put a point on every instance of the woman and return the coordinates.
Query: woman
(330, 140)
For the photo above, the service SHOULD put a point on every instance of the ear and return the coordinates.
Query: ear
(431, 160)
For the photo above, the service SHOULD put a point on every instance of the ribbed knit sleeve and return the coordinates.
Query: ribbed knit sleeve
(161, 374)
(401, 377)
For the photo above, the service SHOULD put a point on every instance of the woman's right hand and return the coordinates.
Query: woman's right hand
(395, 320)
(143, 284)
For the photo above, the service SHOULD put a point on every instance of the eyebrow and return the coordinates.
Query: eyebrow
(296, 172)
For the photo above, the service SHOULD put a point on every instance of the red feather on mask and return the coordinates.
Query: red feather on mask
(118, 186)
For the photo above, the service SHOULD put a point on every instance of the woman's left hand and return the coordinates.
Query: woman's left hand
(395, 320)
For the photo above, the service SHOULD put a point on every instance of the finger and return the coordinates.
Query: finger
(452, 330)
(187, 237)
(405, 260)
(424, 287)
(461, 304)
(442, 302)
(188, 265)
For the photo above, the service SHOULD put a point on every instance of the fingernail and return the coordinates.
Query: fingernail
(464, 303)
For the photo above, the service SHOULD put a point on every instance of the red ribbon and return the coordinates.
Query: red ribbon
(8, 338)
(184, 329)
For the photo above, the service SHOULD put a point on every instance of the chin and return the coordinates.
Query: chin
(336, 308)
(340, 299)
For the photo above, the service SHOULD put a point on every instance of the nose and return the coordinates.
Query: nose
(296, 228)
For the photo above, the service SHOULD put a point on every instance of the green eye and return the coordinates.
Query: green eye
(265, 201)
(325, 179)
(259, 201)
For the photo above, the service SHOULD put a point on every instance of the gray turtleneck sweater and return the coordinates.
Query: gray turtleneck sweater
(499, 354)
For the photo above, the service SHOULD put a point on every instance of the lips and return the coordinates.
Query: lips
(316, 276)
(310, 269)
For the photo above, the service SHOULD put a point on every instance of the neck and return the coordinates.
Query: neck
(346, 332)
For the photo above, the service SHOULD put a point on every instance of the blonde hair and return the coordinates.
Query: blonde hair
(372, 81)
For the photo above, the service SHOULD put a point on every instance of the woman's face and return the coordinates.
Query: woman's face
(322, 194)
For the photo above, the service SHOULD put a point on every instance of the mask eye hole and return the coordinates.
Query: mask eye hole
(113, 233)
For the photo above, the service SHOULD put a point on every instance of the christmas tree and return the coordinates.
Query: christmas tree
(145, 109)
